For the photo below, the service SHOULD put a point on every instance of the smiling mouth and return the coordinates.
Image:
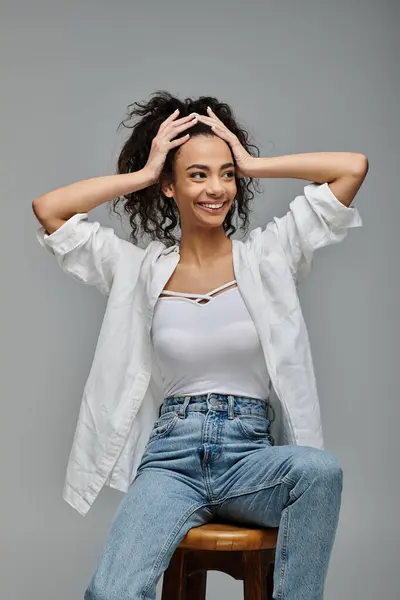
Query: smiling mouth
(212, 207)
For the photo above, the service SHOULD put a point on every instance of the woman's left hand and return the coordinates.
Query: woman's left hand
(244, 160)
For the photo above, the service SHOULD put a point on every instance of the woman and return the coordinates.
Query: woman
(210, 453)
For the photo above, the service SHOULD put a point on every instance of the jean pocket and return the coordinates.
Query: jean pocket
(255, 427)
(163, 425)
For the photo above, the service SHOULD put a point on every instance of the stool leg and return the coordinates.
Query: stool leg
(270, 581)
(173, 587)
(196, 585)
(255, 565)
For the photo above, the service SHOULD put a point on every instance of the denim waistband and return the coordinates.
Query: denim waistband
(231, 404)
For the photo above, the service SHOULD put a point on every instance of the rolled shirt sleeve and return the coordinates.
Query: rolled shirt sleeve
(87, 251)
(315, 219)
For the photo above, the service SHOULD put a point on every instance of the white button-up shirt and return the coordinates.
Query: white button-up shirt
(123, 391)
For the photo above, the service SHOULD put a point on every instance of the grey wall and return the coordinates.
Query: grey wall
(304, 76)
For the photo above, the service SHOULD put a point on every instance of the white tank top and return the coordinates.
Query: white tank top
(210, 346)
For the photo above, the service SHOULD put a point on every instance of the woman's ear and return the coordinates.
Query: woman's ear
(167, 186)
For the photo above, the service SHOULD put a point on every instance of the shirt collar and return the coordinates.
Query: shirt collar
(174, 248)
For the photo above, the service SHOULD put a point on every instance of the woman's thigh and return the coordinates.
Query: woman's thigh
(297, 489)
(149, 524)
(264, 482)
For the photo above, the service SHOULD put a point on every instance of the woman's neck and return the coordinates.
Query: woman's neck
(204, 248)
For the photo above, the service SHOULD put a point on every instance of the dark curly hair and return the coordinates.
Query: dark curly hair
(148, 208)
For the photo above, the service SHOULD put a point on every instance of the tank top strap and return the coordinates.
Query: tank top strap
(199, 296)
(222, 287)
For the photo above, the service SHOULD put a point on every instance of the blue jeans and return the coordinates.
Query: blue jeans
(212, 456)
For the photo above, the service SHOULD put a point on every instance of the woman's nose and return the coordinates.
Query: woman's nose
(215, 187)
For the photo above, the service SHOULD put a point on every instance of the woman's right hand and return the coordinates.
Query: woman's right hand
(162, 144)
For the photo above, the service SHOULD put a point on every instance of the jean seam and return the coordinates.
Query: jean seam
(168, 544)
(252, 491)
(237, 493)
(282, 574)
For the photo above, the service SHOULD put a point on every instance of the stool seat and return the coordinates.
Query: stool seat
(244, 552)
(227, 536)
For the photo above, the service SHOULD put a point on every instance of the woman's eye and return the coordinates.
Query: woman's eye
(230, 173)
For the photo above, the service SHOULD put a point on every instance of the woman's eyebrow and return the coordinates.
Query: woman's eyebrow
(207, 168)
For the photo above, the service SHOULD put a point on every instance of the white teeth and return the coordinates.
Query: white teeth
(213, 205)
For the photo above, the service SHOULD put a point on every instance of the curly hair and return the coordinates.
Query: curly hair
(149, 209)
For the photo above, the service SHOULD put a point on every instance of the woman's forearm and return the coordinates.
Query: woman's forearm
(83, 196)
(319, 167)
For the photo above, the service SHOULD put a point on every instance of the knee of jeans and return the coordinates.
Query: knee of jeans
(323, 464)
(332, 466)
(330, 469)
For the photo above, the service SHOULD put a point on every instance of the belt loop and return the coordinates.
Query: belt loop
(182, 410)
(231, 411)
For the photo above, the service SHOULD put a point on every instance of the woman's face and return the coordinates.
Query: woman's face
(212, 181)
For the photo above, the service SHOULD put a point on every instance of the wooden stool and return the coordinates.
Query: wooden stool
(243, 552)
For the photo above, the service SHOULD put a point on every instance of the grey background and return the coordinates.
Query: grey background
(303, 76)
